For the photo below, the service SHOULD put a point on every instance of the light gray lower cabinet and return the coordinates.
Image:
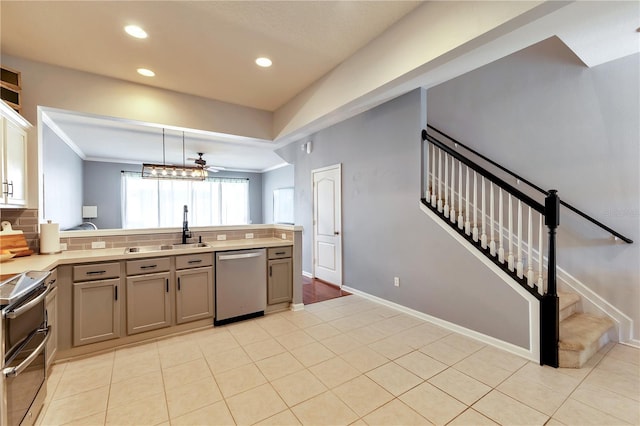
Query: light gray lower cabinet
(148, 294)
(51, 310)
(280, 275)
(96, 311)
(194, 287)
(148, 302)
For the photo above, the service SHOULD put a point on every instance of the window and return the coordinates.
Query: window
(150, 203)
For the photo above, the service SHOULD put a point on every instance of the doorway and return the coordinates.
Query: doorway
(327, 224)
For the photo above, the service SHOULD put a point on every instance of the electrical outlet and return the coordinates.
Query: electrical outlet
(396, 281)
(248, 235)
(221, 237)
(284, 236)
(98, 244)
(63, 246)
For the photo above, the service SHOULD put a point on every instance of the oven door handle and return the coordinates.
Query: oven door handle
(14, 371)
(24, 308)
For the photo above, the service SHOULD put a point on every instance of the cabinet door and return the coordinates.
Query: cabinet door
(279, 284)
(96, 311)
(51, 310)
(148, 302)
(15, 172)
(194, 294)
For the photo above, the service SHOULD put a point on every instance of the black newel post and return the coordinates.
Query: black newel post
(550, 305)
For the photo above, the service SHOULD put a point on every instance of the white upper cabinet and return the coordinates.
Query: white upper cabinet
(13, 160)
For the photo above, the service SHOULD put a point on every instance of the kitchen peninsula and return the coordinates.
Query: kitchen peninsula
(114, 296)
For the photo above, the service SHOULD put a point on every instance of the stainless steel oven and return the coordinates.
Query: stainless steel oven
(23, 337)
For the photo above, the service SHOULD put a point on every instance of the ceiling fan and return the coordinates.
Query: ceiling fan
(202, 163)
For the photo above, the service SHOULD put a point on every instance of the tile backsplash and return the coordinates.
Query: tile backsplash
(25, 220)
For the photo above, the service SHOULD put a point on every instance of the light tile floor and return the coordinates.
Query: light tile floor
(342, 361)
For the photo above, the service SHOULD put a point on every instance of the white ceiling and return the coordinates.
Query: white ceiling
(203, 48)
(207, 48)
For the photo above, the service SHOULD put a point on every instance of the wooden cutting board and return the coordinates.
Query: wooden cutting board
(14, 242)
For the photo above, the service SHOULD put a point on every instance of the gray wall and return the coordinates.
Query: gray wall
(102, 189)
(275, 179)
(384, 232)
(102, 186)
(543, 114)
(62, 169)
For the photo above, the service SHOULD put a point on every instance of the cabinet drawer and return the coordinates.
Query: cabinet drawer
(96, 271)
(194, 260)
(279, 252)
(148, 266)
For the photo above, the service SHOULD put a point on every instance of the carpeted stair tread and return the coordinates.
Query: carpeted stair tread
(581, 336)
(567, 299)
(581, 330)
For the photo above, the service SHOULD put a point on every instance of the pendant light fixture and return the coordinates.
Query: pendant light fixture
(164, 171)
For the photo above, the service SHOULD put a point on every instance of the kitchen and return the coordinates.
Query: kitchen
(102, 89)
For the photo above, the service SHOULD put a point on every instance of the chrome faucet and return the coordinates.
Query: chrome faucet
(185, 226)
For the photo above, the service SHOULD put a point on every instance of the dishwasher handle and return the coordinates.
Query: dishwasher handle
(239, 256)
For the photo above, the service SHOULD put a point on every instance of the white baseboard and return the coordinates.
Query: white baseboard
(532, 355)
(307, 274)
(632, 342)
(297, 307)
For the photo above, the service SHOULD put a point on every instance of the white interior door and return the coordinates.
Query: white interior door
(327, 224)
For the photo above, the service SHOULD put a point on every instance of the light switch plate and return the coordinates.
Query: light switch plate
(98, 244)
(221, 237)
(248, 235)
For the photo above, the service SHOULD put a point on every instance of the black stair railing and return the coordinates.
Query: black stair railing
(580, 213)
(449, 190)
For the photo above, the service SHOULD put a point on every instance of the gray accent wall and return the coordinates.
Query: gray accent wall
(385, 234)
(62, 170)
(543, 114)
(274, 179)
(102, 188)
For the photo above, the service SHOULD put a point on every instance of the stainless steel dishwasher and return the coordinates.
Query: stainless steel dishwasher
(241, 285)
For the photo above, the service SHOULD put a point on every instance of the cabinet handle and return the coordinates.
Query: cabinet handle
(116, 288)
(96, 272)
(279, 253)
(167, 285)
(178, 283)
(10, 194)
(270, 270)
(148, 266)
(191, 262)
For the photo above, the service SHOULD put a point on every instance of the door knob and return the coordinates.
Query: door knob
(336, 233)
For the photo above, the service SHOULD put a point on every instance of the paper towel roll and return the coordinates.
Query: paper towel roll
(49, 238)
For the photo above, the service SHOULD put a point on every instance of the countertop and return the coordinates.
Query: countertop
(47, 262)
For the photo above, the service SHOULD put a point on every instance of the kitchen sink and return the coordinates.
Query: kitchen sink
(147, 249)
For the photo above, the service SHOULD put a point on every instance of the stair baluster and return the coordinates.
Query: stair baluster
(500, 227)
(460, 218)
(439, 181)
(540, 276)
(519, 266)
(475, 207)
(510, 263)
(452, 211)
(467, 224)
(446, 186)
(483, 237)
(530, 277)
(492, 243)
(434, 199)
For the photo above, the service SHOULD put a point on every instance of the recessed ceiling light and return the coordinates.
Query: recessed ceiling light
(146, 72)
(263, 62)
(135, 31)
